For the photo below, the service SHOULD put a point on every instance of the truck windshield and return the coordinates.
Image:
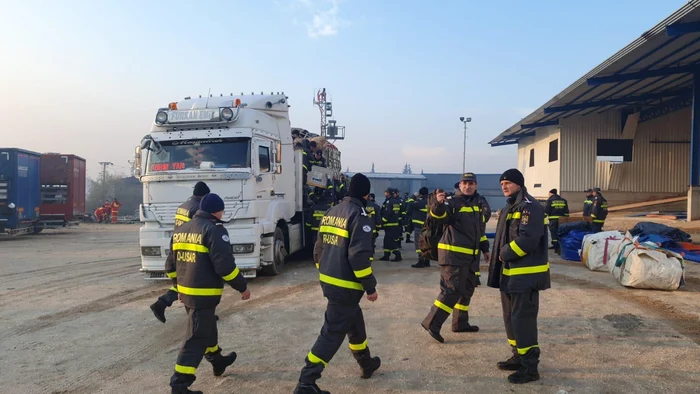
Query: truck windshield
(189, 154)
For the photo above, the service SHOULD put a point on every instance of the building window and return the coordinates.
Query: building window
(553, 150)
(616, 151)
(532, 157)
(264, 158)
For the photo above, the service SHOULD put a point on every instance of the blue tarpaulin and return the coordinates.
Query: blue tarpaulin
(571, 243)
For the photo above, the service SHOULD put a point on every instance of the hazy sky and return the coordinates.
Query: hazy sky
(86, 77)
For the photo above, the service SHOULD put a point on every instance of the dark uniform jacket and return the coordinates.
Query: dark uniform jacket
(519, 259)
(588, 205)
(183, 214)
(391, 212)
(343, 250)
(204, 260)
(556, 207)
(320, 162)
(419, 210)
(319, 209)
(375, 214)
(462, 240)
(600, 209)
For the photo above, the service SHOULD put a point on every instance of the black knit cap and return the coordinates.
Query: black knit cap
(359, 186)
(212, 203)
(424, 191)
(513, 175)
(553, 191)
(201, 189)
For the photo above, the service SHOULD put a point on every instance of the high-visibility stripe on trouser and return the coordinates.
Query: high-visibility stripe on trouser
(185, 369)
(456, 289)
(520, 317)
(201, 340)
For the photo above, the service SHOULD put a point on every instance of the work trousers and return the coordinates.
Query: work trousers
(114, 217)
(520, 318)
(392, 238)
(201, 340)
(597, 227)
(553, 229)
(170, 296)
(416, 237)
(457, 286)
(341, 319)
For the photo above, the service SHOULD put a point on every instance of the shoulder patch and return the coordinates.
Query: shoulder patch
(364, 213)
(226, 238)
(367, 228)
(525, 218)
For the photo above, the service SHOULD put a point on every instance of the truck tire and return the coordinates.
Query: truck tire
(279, 254)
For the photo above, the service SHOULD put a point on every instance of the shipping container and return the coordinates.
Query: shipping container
(20, 190)
(62, 189)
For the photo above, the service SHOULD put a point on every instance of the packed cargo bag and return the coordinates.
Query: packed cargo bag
(645, 266)
(570, 245)
(597, 247)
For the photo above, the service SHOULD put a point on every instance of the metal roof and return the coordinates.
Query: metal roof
(653, 75)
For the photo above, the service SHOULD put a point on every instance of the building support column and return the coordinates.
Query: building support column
(694, 190)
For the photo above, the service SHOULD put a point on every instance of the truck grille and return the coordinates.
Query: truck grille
(165, 212)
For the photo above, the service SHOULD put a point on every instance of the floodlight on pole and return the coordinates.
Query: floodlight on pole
(464, 152)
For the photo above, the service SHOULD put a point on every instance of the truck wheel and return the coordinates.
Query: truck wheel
(279, 254)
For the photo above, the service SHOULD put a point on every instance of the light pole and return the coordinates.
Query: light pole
(464, 152)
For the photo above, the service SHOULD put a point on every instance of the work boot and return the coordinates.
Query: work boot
(397, 256)
(528, 368)
(220, 362)
(386, 257)
(184, 390)
(469, 328)
(512, 364)
(420, 263)
(408, 239)
(309, 388)
(158, 309)
(374, 364)
(435, 334)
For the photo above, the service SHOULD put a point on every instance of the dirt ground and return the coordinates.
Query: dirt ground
(74, 318)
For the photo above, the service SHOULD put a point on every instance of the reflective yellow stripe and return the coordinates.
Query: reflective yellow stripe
(443, 306)
(359, 346)
(554, 217)
(182, 217)
(390, 224)
(418, 251)
(416, 221)
(199, 292)
(340, 282)
(515, 215)
(423, 209)
(232, 275)
(516, 249)
(363, 273)
(314, 228)
(470, 209)
(171, 275)
(599, 221)
(438, 217)
(477, 273)
(211, 349)
(526, 270)
(371, 258)
(462, 307)
(315, 359)
(593, 216)
(457, 249)
(319, 214)
(511, 342)
(186, 370)
(524, 350)
(546, 221)
(173, 288)
(191, 247)
(318, 266)
(483, 238)
(335, 230)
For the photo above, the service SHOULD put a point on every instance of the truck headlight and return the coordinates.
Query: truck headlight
(227, 114)
(161, 117)
(242, 248)
(151, 251)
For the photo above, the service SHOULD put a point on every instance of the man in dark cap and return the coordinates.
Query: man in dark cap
(419, 211)
(555, 208)
(183, 214)
(391, 212)
(588, 203)
(375, 213)
(599, 212)
(343, 251)
(204, 259)
(519, 267)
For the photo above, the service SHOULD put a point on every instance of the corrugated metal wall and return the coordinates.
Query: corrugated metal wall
(543, 173)
(654, 167)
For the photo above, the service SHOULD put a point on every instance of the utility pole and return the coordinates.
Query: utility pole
(104, 165)
(464, 152)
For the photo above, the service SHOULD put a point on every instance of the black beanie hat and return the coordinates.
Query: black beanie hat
(201, 189)
(513, 175)
(553, 191)
(212, 203)
(359, 186)
(423, 191)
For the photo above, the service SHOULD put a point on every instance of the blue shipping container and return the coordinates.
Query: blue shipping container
(20, 185)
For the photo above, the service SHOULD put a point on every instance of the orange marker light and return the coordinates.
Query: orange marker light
(173, 106)
(237, 103)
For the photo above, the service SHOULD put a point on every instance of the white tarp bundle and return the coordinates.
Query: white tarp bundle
(597, 248)
(644, 266)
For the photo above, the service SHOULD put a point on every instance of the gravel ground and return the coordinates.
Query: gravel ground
(74, 318)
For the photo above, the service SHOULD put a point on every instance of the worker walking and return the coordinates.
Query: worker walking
(588, 203)
(520, 269)
(343, 252)
(374, 211)
(458, 256)
(408, 222)
(402, 215)
(600, 210)
(556, 208)
(419, 210)
(391, 211)
(183, 214)
(114, 209)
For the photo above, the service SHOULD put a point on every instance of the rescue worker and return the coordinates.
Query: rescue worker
(599, 212)
(375, 213)
(391, 211)
(408, 222)
(340, 187)
(419, 210)
(106, 211)
(588, 203)
(318, 159)
(519, 268)
(99, 214)
(555, 208)
(402, 214)
(324, 203)
(204, 260)
(343, 252)
(458, 256)
(114, 209)
(183, 214)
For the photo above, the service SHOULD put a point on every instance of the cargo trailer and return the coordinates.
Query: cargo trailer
(20, 191)
(62, 190)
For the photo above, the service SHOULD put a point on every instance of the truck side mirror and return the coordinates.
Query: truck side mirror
(137, 162)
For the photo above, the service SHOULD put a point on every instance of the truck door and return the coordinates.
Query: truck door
(263, 155)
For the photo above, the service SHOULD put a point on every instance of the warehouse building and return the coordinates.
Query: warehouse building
(406, 183)
(631, 126)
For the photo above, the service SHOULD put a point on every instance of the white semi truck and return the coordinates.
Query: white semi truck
(242, 147)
